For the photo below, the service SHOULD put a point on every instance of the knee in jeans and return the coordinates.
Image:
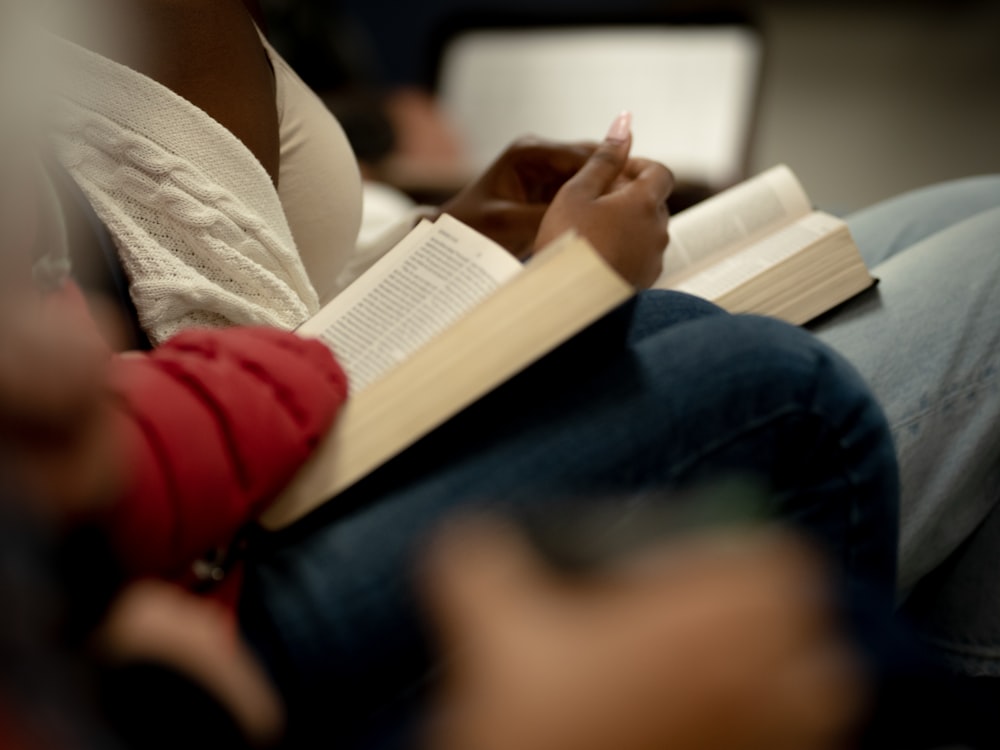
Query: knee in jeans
(658, 309)
(798, 359)
(796, 368)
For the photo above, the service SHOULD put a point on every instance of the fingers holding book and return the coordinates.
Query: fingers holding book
(508, 201)
(536, 190)
(618, 204)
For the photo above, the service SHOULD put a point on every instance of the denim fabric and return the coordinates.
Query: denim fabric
(928, 343)
(665, 393)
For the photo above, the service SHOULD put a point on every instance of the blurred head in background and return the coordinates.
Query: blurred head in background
(79, 667)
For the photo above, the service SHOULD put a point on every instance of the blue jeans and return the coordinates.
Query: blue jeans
(665, 393)
(928, 343)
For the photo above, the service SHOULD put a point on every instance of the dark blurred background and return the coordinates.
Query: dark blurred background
(863, 99)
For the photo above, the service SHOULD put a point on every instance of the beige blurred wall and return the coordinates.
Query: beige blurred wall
(865, 100)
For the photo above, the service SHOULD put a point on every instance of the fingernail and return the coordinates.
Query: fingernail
(620, 128)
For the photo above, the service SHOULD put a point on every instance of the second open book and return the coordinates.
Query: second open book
(447, 315)
(759, 247)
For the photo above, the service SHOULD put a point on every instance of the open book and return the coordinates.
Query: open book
(760, 248)
(444, 318)
(448, 315)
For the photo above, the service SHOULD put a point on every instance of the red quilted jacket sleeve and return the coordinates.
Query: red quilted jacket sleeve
(214, 424)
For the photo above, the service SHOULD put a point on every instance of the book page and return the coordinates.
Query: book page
(734, 218)
(431, 278)
(733, 270)
(562, 290)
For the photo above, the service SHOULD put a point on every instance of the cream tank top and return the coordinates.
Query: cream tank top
(319, 183)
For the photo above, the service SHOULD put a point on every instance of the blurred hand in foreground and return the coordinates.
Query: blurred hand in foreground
(153, 622)
(723, 640)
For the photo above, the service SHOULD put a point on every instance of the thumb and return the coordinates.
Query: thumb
(609, 159)
(475, 572)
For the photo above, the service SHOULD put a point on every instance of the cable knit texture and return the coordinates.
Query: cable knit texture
(198, 224)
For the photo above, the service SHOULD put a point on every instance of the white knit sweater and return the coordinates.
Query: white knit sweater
(198, 224)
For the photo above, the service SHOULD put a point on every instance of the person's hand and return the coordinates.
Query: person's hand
(154, 622)
(723, 641)
(508, 201)
(618, 204)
